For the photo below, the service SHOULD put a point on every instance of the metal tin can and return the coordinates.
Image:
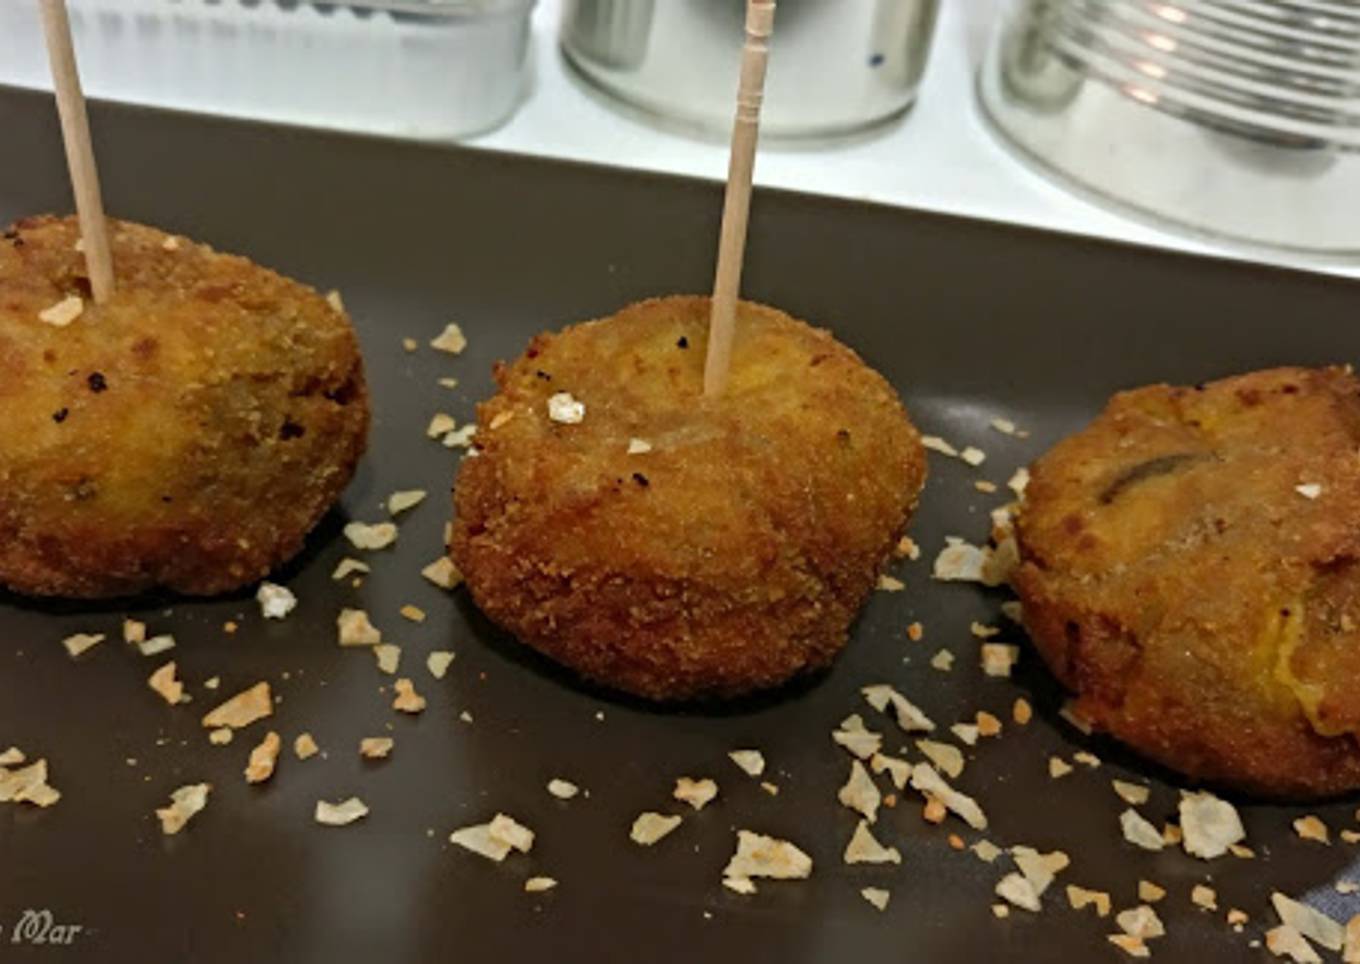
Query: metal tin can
(836, 66)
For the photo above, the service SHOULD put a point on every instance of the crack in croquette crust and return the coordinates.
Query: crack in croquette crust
(187, 434)
(731, 556)
(1203, 609)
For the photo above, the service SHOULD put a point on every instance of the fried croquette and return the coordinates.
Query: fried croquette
(186, 434)
(675, 546)
(1190, 572)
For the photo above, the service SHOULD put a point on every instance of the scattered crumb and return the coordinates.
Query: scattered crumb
(12, 757)
(1209, 825)
(448, 383)
(876, 896)
(987, 724)
(1133, 946)
(1134, 794)
(909, 716)
(1204, 897)
(925, 779)
(937, 444)
(1141, 922)
(1039, 869)
(81, 643)
(860, 793)
(855, 737)
(1312, 828)
(890, 584)
(263, 758)
(405, 500)
(1086, 759)
(1150, 893)
(1080, 897)
(438, 663)
(907, 549)
(1139, 831)
(276, 601)
(751, 761)
(915, 632)
(377, 536)
(984, 486)
(697, 793)
(740, 885)
(134, 632)
(1285, 941)
(760, 856)
(27, 784)
(441, 424)
(1022, 712)
(450, 340)
(340, 814)
(212, 683)
(1237, 919)
(942, 661)
(356, 629)
(769, 788)
(156, 645)
(242, 709)
(305, 746)
(999, 658)
(973, 456)
(414, 613)
(1077, 721)
(987, 851)
(1309, 921)
(163, 682)
(539, 885)
(945, 756)
(63, 312)
(562, 789)
(221, 736)
(1341, 886)
(1001, 911)
(1003, 425)
(637, 446)
(388, 657)
(1019, 892)
(983, 631)
(1058, 767)
(443, 573)
(409, 345)
(185, 803)
(899, 771)
(650, 827)
(967, 733)
(1019, 481)
(332, 297)
(462, 438)
(376, 747)
(408, 700)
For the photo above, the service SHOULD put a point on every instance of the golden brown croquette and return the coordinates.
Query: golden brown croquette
(671, 545)
(186, 434)
(1190, 571)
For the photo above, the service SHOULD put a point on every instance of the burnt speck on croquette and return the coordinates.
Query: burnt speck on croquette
(1191, 570)
(676, 546)
(185, 434)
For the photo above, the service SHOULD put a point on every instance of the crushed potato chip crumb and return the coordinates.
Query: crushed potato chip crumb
(876, 896)
(1141, 922)
(739, 885)
(305, 746)
(1134, 794)
(890, 583)
(134, 632)
(1204, 897)
(376, 747)
(242, 709)
(1086, 759)
(967, 733)
(564, 409)
(450, 340)
(915, 632)
(1080, 897)
(1139, 831)
(650, 827)
(973, 456)
(1019, 481)
(562, 789)
(81, 643)
(1133, 946)
(860, 793)
(927, 781)
(1309, 490)
(945, 756)
(12, 757)
(221, 736)
(405, 500)
(340, 814)
(907, 549)
(409, 345)
(987, 851)
(1150, 893)
(263, 758)
(1058, 767)
(348, 567)
(750, 761)
(1019, 892)
(1001, 911)
(864, 848)
(899, 771)
(937, 444)
(356, 629)
(1309, 921)
(156, 645)
(999, 658)
(697, 793)
(1208, 825)
(987, 724)
(276, 602)
(407, 700)
(909, 716)
(438, 663)
(414, 613)
(27, 784)
(758, 855)
(163, 682)
(942, 661)
(441, 424)
(539, 885)
(185, 804)
(461, 438)
(855, 737)
(443, 573)
(388, 656)
(1312, 828)
(1285, 941)
(372, 537)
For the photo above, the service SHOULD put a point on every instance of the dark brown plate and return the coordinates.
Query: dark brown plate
(968, 319)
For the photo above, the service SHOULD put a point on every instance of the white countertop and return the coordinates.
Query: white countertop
(940, 157)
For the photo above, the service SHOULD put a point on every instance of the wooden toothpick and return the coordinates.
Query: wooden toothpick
(75, 132)
(737, 205)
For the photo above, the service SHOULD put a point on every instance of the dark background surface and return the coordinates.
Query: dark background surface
(968, 320)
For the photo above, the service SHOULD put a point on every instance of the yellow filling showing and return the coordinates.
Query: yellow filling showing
(1283, 635)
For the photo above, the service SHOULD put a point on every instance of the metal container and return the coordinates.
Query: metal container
(366, 65)
(835, 65)
(1236, 118)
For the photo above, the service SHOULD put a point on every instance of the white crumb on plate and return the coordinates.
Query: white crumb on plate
(450, 340)
(539, 885)
(855, 737)
(945, 756)
(696, 793)
(340, 814)
(407, 699)
(355, 628)
(973, 456)
(438, 662)
(1210, 825)
(998, 659)
(441, 424)
(388, 656)
(649, 827)
(371, 537)
(305, 746)
(865, 848)
(185, 803)
(276, 601)
(937, 444)
(81, 643)
(156, 645)
(1309, 921)
(164, 684)
(927, 781)
(263, 758)
(750, 761)
(758, 855)
(1285, 941)
(876, 896)
(562, 789)
(460, 438)
(1139, 831)
(242, 709)
(348, 567)
(860, 793)
(909, 716)
(376, 747)
(404, 500)
(1134, 794)
(443, 573)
